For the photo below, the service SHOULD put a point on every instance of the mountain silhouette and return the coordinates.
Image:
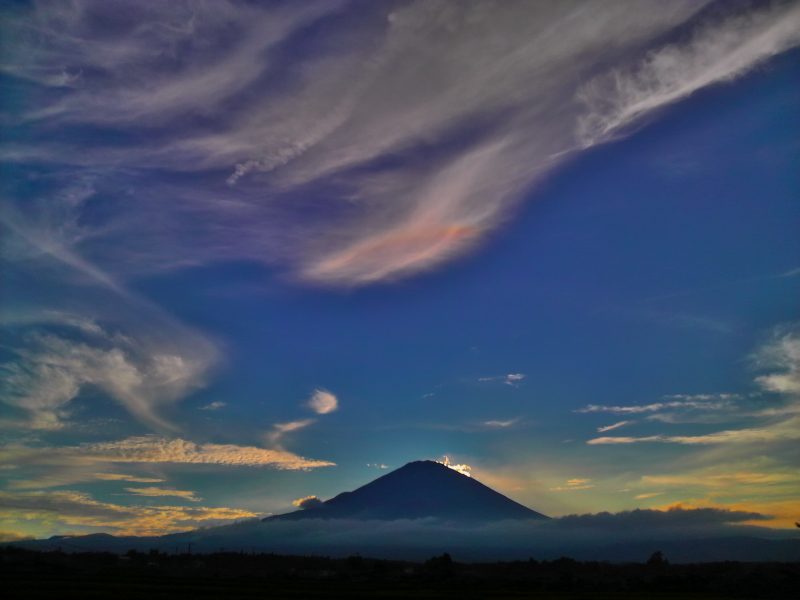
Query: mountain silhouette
(417, 490)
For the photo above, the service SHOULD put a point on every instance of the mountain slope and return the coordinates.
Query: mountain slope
(417, 490)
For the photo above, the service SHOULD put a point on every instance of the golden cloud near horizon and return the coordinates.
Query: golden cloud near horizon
(782, 514)
(79, 509)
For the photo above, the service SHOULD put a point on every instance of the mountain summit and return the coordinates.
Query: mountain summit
(417, 490)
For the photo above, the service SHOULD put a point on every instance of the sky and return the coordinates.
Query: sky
(255, 252)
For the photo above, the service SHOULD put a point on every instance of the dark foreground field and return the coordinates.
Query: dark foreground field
(154, 576)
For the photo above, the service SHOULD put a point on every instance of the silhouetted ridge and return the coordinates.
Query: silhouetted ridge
(417, 490)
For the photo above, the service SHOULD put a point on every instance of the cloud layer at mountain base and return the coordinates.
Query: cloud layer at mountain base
(631, 535)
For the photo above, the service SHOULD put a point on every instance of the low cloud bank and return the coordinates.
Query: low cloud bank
(685, 535)
(603, 536)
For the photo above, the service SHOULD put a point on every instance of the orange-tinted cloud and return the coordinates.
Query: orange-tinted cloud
(80, 463)
(11, 536)
(309, 502)
(399, 251)
(118, 477)
(154, 491)
(783, 513)
(79, 509)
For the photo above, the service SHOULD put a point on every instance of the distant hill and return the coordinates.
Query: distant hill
(417, 490)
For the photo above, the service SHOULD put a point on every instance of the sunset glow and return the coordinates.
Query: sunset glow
(256, 252)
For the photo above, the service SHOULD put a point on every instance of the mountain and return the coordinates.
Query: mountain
(417, 490)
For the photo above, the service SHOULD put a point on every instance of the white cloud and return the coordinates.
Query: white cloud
(719, 51)
(786, 430)
(323, 402)
(507, 379)
(279, 429)
(699, 402)
(508, 423)
(294, 425)
(503, 79)
(782, 352)
(52, 370)
(158, 36)
(614, 426)
(213, 406)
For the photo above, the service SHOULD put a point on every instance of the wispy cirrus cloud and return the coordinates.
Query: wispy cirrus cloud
(614, 426)
(717, 51)
(214, 406)
(51, 371)
(151, 449)
(280, 429)
(782, 355)
(722, 480)
(415, 128)
(699, 402)
(70, 464)
(778, 421)
(321, 402)
(787, 430)
(574, 484)
(510, 379)
(508, 423)
(41, 468)
(120, 477)
(158, 492)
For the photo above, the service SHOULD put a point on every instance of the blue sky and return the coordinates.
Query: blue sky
(260, 251)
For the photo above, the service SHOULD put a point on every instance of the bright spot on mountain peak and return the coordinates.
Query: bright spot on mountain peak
(463, 469)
